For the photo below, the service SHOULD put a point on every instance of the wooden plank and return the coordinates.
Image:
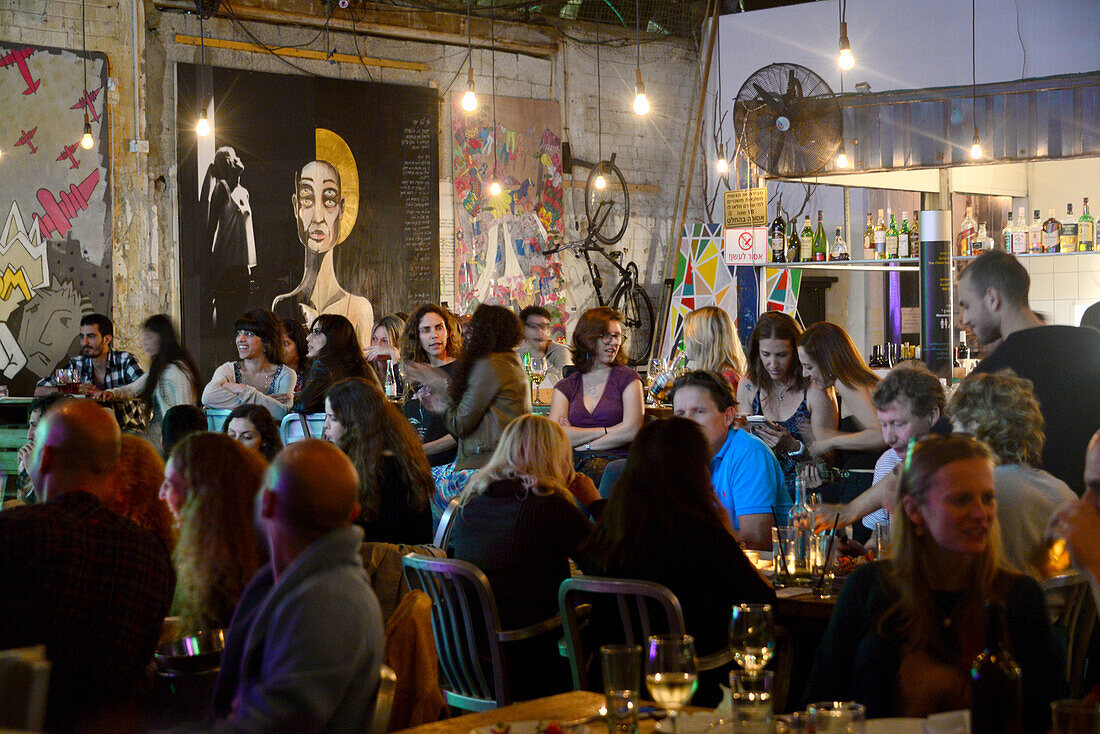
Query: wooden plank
(300, 53)
(575, 183)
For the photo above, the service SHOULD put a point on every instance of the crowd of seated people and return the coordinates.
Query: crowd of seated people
(238, 532)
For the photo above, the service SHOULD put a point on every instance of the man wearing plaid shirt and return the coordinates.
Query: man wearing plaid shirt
(99, 367)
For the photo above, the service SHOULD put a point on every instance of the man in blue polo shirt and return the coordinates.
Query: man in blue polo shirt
(746, 476)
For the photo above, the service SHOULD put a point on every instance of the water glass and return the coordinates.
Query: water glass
(821, 556)
(1075, 717)
(882, 534)
(783, 555)
(837, 717)
(622, 680)
(751, 695)
(752, 636)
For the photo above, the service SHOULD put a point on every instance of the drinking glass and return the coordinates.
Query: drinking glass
(670, 672)
(784, 541)
(1075, 717)
(882, 531)
(837, 717)
(751, 695)
(536, 371)
(752, 636)
(622, 676)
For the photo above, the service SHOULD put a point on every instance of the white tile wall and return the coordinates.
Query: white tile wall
(1062, 284)
(1042, 286)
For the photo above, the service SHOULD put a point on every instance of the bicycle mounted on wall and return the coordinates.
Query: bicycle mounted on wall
(607, 211)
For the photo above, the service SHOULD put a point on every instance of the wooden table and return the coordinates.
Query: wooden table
(562, 707)
(799, 601)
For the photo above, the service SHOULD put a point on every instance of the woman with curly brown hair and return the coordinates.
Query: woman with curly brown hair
(210, 484)
(600, 406)
(137, 478)
(395, 483)
(488, 391)
(432, 337)
(1001, 411)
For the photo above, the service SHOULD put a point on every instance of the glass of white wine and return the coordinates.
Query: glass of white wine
(670, 672)
(536, 371)
(752, 636)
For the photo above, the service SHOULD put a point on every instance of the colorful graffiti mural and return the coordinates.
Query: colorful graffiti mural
(702, 279)
(55, 251)
(499, 239)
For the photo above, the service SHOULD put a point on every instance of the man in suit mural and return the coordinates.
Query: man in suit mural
(231, 239)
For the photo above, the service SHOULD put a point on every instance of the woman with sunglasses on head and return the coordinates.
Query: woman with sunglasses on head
(774, 386)
(600, 405)
(383, 350)
(258, 376)
(334, 353)
(906, 630)
(831, 362)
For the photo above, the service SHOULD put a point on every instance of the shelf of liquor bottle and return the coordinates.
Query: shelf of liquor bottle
(967, 258)
(892, 264)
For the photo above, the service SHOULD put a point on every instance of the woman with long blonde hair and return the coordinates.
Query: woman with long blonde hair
(906, 630)
(711, 342)
(210, 484)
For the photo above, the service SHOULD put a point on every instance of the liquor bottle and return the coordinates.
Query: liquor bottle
(801, 519)
(1006, 234)
(839, 249)
(1051, 229)
(892, 237)
(996, 689)
(821, 245)
(806, 242)
(880, 238)
(1019, 235)
(962, 351)
(1067, 236)
(777, 235)
(876, 361)
(914, 235)
(1035, 234)
(793, 244)
(1086, 231)
(967, 234)
(981, 241)
(869, 239)
(391, 381)
(904, 248)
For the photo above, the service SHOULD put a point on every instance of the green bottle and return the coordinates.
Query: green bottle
(806, 242)
(892, 238)
(793, 244)
(821, 246)
(905, 238)
(1086, 231)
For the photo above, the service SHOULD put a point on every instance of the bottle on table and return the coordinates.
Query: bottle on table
(821, 246)
(1067, 235)
(914, 235)
(968, 233)
(869, 239)
(839, 249)
(1086, 230)
(800, 519)
(962, 351)
(1051, 230)
(880, 238)
(996, 682)
(876, 362)
(892, 237)
(806, 242)
(1019, 235)
(793, 243)
(777, 235)
(391, 381)
(904, 248)
(1035, 234)
(1006, 234)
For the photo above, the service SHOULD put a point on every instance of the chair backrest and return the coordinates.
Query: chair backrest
(215, 418)
(298, 426)
(24, 679)
(383, 703)
(443, 531)
(1079, 617)
(634, 600)
(466, 624)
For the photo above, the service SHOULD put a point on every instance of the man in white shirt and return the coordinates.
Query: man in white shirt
(537, 342)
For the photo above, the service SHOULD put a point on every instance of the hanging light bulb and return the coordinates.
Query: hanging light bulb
(641, 102)
(601, 182)
(494, 188)
(722, 165)
(86, 141)
(846, 61)
(842, 157)
(202, 129)
(469, 100)
(976, 148)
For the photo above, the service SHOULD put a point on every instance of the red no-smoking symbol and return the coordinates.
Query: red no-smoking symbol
(744, 241)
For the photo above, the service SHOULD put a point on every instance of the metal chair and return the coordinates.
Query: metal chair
(466, 625)
(215, 418)
(298, 426)
(1079, 617)
(383, 703)
(443, 532)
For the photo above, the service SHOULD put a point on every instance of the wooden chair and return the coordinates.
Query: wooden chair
(383, 703)
(298, 426)
(1079, 618)
(443, 532)
(468, 636)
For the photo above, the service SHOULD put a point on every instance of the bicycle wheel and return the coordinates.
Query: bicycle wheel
(607, 208)
(637, 310)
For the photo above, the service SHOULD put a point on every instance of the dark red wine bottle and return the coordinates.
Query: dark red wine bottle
(996, 694)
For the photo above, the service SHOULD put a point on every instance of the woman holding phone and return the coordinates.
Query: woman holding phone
(787, 410)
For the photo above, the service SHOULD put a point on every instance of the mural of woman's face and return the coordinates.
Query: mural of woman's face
(318, 206)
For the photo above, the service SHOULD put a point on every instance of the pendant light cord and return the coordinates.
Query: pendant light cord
(469, 37)
(599, 94)
(493, 45)
(974, 65)
(84, 43)
(638, 33)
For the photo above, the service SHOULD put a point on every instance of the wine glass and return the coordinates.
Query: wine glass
(752, 636)
(670, 672)
(536, 371)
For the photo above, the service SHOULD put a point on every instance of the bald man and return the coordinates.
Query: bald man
(306, 642)
(90, 585)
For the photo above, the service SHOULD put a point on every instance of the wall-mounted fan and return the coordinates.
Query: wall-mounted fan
(787, 120)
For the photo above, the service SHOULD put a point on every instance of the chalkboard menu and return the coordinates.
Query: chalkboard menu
(390, 256)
